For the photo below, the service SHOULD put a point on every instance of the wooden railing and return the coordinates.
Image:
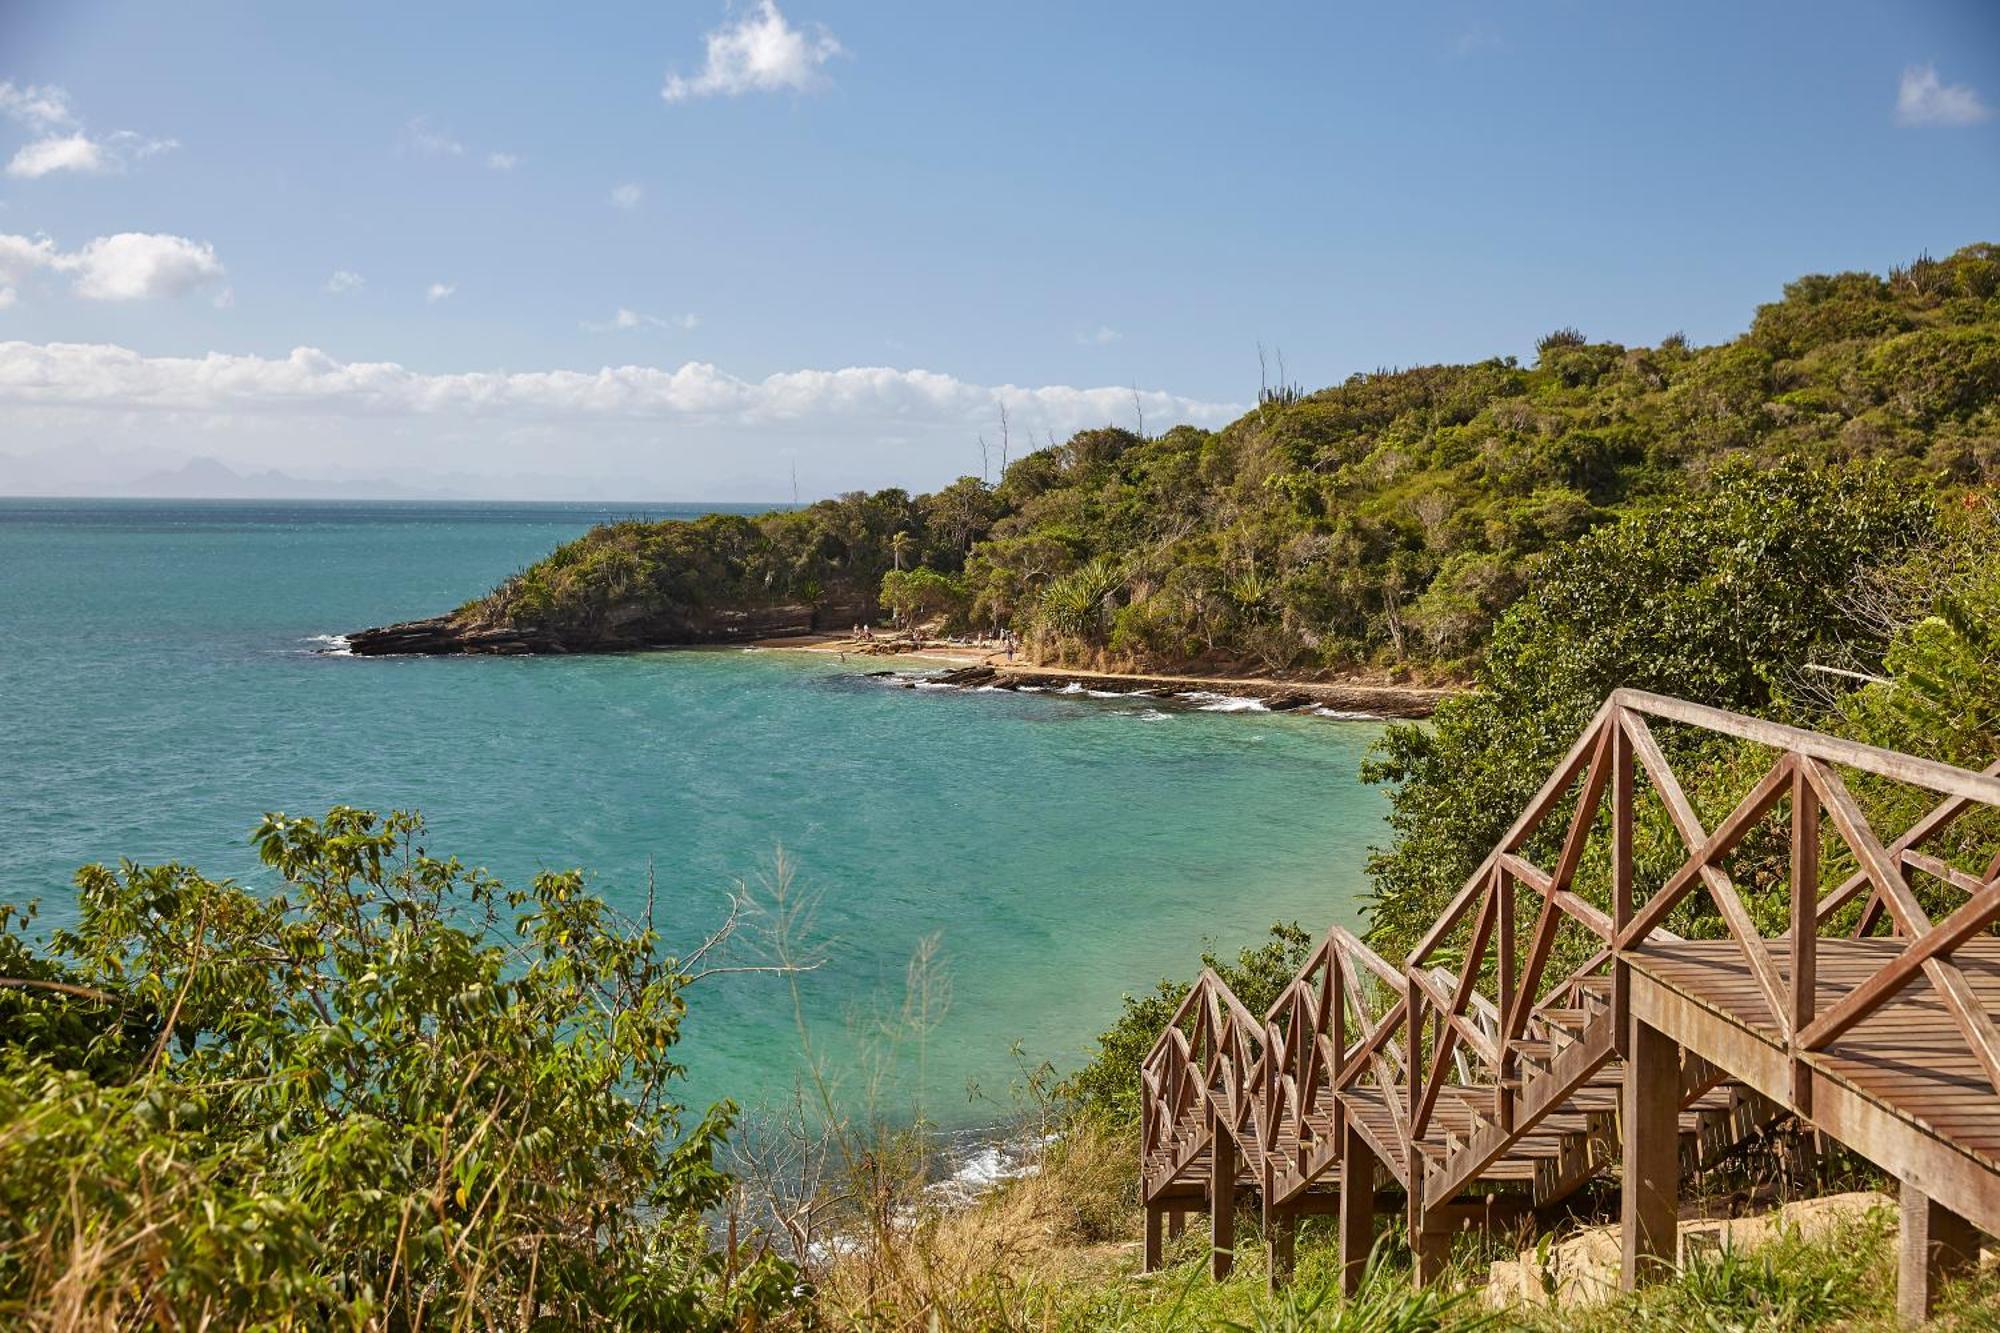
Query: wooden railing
(1473, 1008)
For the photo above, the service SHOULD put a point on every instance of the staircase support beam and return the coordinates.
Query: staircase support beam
(1357, 1209)
(1221, 1202)
(1649, 1203)
(1937, 1246)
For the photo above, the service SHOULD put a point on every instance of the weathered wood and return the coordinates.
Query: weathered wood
(1926, 773)
(1221, 1205)
(1281, 1233)
(1153, 1254)
(1649, 1195)
(1805, 927)
(1904, 1068)
(1937, 1246)
(1950, 983)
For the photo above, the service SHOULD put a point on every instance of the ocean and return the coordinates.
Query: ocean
(164, 681)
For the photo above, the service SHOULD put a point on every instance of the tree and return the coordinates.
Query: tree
(1712, 598)
(920, 595)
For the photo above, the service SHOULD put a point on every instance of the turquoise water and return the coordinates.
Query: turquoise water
(159, 689)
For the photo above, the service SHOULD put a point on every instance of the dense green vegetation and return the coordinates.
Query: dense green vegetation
(394, 1094)
(1384, 523)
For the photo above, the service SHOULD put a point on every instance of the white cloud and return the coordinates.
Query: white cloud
(63, 145)
(627, 195)
(1101, 336)
(437, 291)
(102, 375)
(760, 53)
(130, 266)
(138, 266)
(1923, 100)
(66, 152)
(344, 280)
(626, 319)
(39, 108)
(427, 140)
(694, 431)
(503, 161)
(7, 297)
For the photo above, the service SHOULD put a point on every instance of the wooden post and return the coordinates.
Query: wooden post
(1805, 931)
(1281, 1232)
(1430, 1249)
(1221, 1202)
(1154, 1216)
(1357, 1209)
(1506, 982)
(1649, 1200)
(1621, 875)
(1176, 1223)
(1937, 1244)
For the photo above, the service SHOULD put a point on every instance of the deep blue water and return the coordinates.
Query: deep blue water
(160, 688)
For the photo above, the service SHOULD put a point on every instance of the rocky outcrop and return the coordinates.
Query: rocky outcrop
(1384, 701)
(445, 635)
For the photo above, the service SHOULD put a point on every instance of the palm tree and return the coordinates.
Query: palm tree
(899, 547)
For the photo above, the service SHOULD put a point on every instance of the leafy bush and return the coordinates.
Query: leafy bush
(394, 1092)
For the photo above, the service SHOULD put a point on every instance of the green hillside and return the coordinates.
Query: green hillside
(1381, 524)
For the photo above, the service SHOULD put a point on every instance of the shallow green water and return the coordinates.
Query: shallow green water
(159, 688)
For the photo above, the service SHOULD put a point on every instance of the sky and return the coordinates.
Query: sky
(692, 250)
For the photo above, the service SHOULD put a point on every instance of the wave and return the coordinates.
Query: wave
(1150, 715)
(1345, 714)
(332, 645)
(1208, 701)
(935, 685)
(1074, 687)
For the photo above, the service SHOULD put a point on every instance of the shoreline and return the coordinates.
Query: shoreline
(1276, 693)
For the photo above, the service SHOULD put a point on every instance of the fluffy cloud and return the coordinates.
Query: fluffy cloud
(438, 291)
(503, 161)
(1101, 336)
(131, 266)
(1924, 100)
(627, 196)
(139, 266)
(344, 281)
(64, 146)
(762, 53)
(627, 319)
(107, 376)
(65, 152)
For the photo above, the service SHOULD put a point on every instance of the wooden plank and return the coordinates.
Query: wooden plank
(1971, 919)
(1925, 773)
(1950, 984)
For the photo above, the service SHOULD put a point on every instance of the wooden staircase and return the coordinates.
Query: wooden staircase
(1493, 1090)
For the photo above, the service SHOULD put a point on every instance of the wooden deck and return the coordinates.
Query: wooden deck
(1493, 1086)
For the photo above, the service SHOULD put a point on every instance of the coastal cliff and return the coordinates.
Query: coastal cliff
(460, 633)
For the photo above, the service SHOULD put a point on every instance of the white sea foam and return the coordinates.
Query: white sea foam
(1345, 715)
(1074, 687)
(333, 645)
(1208, 701)
(1106, 694)
(1150, 715)
(1032, 689)
(935, 685)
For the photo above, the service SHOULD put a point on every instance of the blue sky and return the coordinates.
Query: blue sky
(1068, 199)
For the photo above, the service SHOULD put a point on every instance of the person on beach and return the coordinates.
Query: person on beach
(1010, 648)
